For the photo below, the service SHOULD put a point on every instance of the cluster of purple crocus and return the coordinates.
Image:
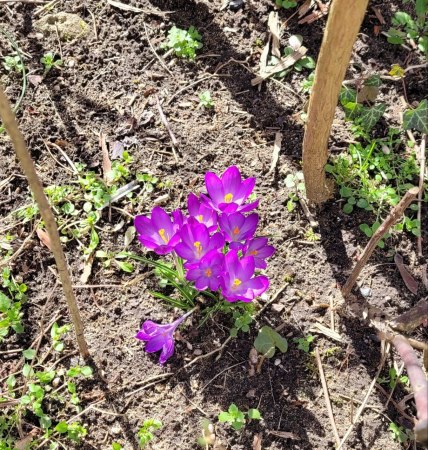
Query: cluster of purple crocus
(216, 242)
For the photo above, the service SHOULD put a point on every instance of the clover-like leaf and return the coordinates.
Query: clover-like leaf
(417, 118)
(268, 340)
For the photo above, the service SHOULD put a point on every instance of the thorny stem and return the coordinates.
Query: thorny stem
(36, 186)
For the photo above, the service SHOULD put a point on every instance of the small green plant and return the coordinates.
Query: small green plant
(56, 334)
(116, 446)
(183, 43)
(294, 182)
(286, 4)
(236, 418)
(400, 433)
(311, 236)
(116, 258)
(268, 340)
(145, 433)
(304, 343)
(242, 322)
(13, 64)
(417, 118)
(74, 431)
(49, 62)
(393, 379)
(12, 297)
(205, 100)
(307, 83)
(406, 28)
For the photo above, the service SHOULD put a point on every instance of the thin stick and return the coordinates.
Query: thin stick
(154, 51)
(36, 186)
(168, 127)
(393, 216)
(326, 396)
(385, 349)
(419, 384)
(421, 189)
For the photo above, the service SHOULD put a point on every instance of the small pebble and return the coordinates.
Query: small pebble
(116, 430)
(277, 362)
(366, 292)
(197, 352)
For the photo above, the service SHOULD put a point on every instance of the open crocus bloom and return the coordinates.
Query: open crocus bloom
(228, 193)
(259, 248)
(238, 282)
(196, 242)
(159, 233)
(206, 274)
(202, 212)
(237, 228)
(160, 337)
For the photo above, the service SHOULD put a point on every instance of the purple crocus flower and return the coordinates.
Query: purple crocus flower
(160, 337)
(202, 212)
(238, 282)
(238, 228)
(206, 273)
(228, 193)
(196, 242)
(159, 232)
(258, 248)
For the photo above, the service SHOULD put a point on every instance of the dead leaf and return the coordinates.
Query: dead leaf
(257, 442)
(305, 8)
(87, 269)
(44, 238)
(367, 93)
(118, 149)
(106, 158)
(129, 236)
(284, 435)
(378, 15)
(274, 28)
(276, 150)
(409, 281)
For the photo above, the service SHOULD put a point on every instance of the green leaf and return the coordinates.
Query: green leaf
(345, 192)
(116, 446)
(417, 118)
(45, 422)
(125, 266)
(5, 302)
(395, 36)
(362, 203)
(348, 208)
(27, 370)
(347, 95)
(29, 353)
(62, 427)
(374, 80)
(267, 340)
(370, 116)
(366, 229)
(254, 414)
(86, 371)
(224, 417)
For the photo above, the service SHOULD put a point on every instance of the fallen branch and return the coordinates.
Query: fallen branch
(419, 384)
(412, 319)
(36, 187)
(393, 216)
(326, 396)
(421, 190)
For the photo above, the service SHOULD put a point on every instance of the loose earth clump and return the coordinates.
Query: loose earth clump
(130, 114)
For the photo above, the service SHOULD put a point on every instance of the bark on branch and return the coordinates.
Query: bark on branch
(36, 187)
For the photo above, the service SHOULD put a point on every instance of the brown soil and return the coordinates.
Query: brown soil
(92, 92)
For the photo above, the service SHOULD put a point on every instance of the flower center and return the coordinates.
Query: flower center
(236, 282)
(208, 272)
(236, 231)
(200, 218)
(163, 235)
(198, 247)
(228, 198)
(253, 252)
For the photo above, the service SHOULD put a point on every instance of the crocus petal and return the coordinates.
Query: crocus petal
(249, 206)
(167, 351)
(161, 220)
(184, 251)
(143, 225)
(250, 224)
(193, 203)
(216, 242)
(231, 180)
(246, 268)
(155, 344)
(228, 208)
(214, 187)
(245, 190)
(258, 284)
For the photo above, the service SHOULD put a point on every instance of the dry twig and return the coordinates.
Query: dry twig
(393, 216)
(422, 160)
(36, 186)
(168, 127)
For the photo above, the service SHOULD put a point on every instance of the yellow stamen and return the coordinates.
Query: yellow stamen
(208, 272)
(235, 231)
(198, 246)
(163, 236)
(236, 282)
(200, 218)
(228, 198)
(253, 252)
